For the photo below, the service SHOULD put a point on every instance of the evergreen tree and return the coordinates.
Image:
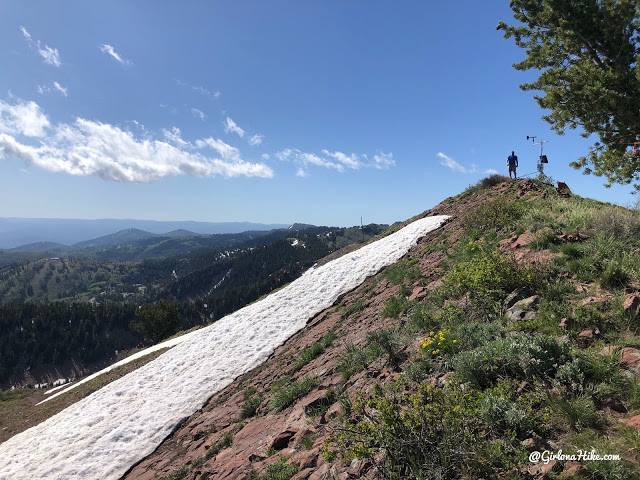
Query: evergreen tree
(587, 52)
(157, 320)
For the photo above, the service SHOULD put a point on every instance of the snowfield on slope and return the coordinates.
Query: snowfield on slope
(103, 435)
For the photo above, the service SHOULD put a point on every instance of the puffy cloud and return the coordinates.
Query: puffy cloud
(301, 173)
(109, 50)
(230, 126)
(266, 156)
(350, 161)
(256, 139)
(284, 154)
(491, 171)
(50, 55)
(453, 165)
(312, 159)
(23, 119)
(98, 149)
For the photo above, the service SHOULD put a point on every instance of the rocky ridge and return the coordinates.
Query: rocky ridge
(223, 441)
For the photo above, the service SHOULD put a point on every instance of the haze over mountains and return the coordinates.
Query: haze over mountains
(21, 232)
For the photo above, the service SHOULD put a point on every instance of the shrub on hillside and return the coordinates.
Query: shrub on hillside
(487, 182)
(618, 223)
(495, 214)
(489, 277)
(434, 433)
(522, 357)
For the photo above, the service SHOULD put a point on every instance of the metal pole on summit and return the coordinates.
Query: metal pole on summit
(543, 158)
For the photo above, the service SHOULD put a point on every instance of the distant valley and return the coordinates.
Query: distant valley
(60, 303)
(17, 232)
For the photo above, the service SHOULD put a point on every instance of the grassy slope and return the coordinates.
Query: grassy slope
(495, 388)
(466, 392)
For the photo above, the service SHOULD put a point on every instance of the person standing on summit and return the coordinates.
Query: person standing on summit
(512, 162)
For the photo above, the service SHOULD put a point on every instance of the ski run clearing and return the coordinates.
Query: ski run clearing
(103, 435)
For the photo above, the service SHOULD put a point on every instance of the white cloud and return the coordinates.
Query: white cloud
(91, 148)
(383, 161)
(60, 88)
(350, 161)
(256, 139)
(23, 119)
(196, 112)
(491, 171)
(26, 34)
(174, 136)
(108, 49)
(230, 126)
(453, 165)
(336, 160)
(312, 159)
(226, 151)
(205, 92)
(284, 154)
(301, 173)
(201, 90)
(42, 89)
(266, 156)
(50, 55)
(307, 159)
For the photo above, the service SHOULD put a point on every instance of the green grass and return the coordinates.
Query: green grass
(395, 306)
(285, 396)
(352, 308)
(403, 272)
(252, 400)
(354, 359)
(313, 351)
(279, 470)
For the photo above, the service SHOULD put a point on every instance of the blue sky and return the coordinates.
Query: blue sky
(277, 112)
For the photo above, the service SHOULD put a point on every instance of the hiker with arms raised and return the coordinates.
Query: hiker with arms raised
(512, 162)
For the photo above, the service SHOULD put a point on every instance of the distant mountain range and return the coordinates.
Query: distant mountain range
(31, 234)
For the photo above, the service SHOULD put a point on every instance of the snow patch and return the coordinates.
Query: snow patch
(106, 433)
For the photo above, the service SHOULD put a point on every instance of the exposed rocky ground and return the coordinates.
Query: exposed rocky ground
(253, 429)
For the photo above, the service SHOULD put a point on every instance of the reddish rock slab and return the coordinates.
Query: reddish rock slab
(631, 303)
(632, 421)
(609, 349)
(572, 468)
(590, 334)
(306, 459)
(630, 358)
(417, 293)
(600, 302)
(541, 469)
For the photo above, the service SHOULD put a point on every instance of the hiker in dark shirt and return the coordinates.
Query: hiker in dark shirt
(512, 162)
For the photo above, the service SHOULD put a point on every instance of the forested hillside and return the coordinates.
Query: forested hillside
(58, 309)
